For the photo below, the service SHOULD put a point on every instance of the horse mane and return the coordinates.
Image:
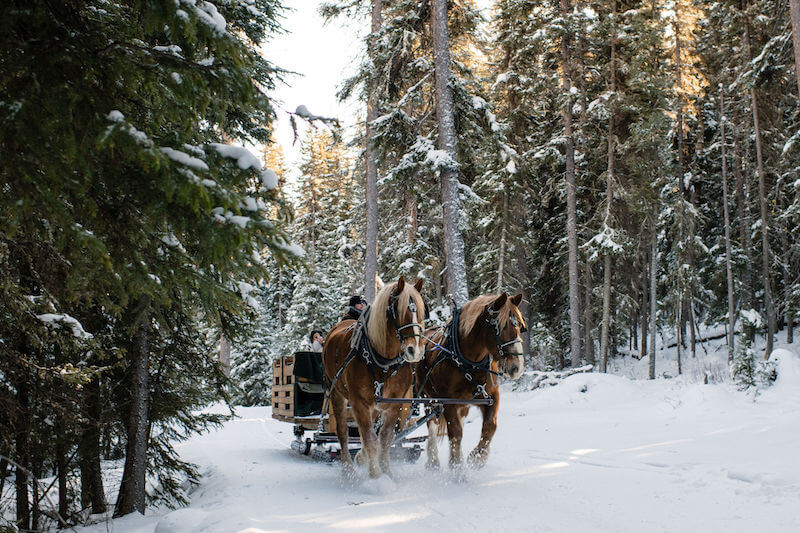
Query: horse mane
(377, 324)
(473, 310)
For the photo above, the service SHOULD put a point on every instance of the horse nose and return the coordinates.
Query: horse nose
(514, 371)
(411, 352)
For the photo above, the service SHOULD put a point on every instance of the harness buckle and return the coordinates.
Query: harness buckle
(378, 389)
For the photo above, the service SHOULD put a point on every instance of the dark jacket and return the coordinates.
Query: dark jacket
(352, 314)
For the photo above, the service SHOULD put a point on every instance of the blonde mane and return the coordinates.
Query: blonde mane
(378, 325)
(473, 310)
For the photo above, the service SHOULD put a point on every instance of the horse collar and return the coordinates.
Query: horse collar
(371, 357)
(467, 366)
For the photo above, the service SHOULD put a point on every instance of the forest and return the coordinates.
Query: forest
(631, 167)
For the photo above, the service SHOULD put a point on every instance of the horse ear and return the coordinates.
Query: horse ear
(379, 283)
(517, 299)
(499, 302)
(418, 285)
(401, 284)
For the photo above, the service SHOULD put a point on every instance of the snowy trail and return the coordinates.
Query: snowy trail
(596, 453)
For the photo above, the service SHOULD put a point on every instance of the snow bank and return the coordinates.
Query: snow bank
(786, 389)
(183, 521)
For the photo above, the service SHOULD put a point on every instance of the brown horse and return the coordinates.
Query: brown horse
(380, 366)
(466, 364)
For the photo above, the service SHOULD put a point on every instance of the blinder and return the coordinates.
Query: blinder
(391, 316)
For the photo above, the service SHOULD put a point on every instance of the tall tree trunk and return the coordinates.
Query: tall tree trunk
(411, 206)
(745, 224)
(572, 225)
(604, 332)
(525, 309)
(446, 142)
(62, 466)
(92, 492)
(727, 221)
(787, 306)
(501, 260)
(681, 176)
(371, 254)
(22, 452)
(643, 324)
(794, 10)
(586, 330)
(132, 489)
(588, 343)
(762, 201)
(678, 338)
(651, 371)
(36, 510)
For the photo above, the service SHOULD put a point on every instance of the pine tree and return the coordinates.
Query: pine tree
(148, 221)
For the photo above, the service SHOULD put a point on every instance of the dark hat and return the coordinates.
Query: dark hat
(355, 300)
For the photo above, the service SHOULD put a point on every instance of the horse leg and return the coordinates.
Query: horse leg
(480, 454)
(339, 406)
(455, 430)
(369, 440)
(386, 436)
(435, 427)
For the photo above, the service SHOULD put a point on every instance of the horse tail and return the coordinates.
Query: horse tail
(437, 426)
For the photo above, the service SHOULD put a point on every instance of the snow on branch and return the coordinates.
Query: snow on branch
(607, 241)
(184, 159)
(78, 332)
(207, 13)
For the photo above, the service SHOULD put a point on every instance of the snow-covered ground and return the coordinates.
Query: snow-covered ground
(599, 452)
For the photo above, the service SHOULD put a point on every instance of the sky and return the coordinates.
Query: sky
(322, 55)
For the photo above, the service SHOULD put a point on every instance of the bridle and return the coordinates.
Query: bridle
(494, 323)
(400, 331)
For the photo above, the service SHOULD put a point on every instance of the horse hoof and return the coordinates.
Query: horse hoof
(433, 465)
(477, 460)
(361, 459)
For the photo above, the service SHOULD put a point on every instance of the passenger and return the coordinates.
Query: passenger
(317, 340)
(355, 306)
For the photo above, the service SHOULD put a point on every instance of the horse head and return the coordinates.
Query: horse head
(404, 318)
(505, 322)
